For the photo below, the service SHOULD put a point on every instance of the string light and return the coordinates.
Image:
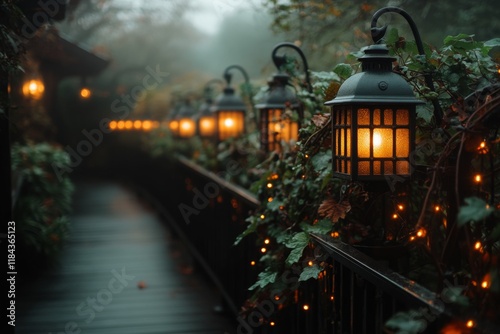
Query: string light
(477, 245)
(421, 233)
(272, 323)
(270, 199)
(310, 263)
(485, 284)
(269, 185)
(470, 324)
(267, 241)
(478, 178)
(252, 263)
(437, 208)
(335, 234)
(262, 216)
(263, 250)
(395, 216)
(305, 307)
(332, 297)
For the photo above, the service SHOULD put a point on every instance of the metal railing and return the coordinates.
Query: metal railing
(355, 294)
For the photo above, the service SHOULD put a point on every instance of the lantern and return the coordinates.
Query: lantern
(186, 122)
(279, 112)
(206, 121)
(373, 121)
(229, 111)
(33, 89)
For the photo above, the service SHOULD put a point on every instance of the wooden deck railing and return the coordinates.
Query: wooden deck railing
(356, 294)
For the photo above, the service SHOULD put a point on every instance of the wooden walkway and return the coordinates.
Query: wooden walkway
(122, 272)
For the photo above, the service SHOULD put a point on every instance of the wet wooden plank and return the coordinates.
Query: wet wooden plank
(122, 272)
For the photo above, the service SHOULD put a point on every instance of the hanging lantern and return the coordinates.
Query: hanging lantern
(229, 111)
(206, 121)
(33, 89)
(186, 122)
(280, 112)
(373, 121)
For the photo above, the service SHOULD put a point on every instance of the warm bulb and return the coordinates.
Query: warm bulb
(229, 122)
(305, 307)
(377, 140)
(267, 241)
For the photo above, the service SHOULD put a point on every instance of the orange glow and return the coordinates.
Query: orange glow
(128, 125)
(269, 185)
(401, 207)
(310, 263)
(263, 250)
(270, 199)
(305, 307)
(252, 263)
(477, 245)
(267, 241)
(112, 125)
(470, 324)
(173, 125)
(33, 89)
(437, 208)
(478, 178)
(85, 93)
(262, 216)
(207, 126)
(120, 125)
(332, 297)
(276, 297)
(395, 216)
(187, 128)
(335, 234)
(137, 124)
(272, 323)
(146, 125)
(421, 233)
(485, 284)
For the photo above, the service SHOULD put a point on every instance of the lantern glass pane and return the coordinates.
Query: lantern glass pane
(364, 143)
(388, 167)
(347, 117)
(376, 117)
(364, 168)
(382, 142)
(402, 167)
(187, 127)
(207, 126)
(230, 124)
(402, 117)
(348, 143)
(363, 116)
(280, 128)
(402, 143)
(388, 117)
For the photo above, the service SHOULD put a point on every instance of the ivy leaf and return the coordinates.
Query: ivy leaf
(321, 227)
(310, 272)
(266, 277)
(321, 161)
(297, 244)
(475, 210)
(343, 70)
(333, 210)
(492, 42)
(252, 227)
(411, 322)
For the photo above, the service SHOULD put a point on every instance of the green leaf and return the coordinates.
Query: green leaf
(410, 322)
(321, 227)
(475, 210)
(392, 36)
(343, 70)
(321, 161)
(492, 42)
(297, 244)
(266, 277)
(310, 272)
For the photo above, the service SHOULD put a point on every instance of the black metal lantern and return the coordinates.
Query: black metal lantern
(206, 118)
(280, 110)
(229, 110)
(186, 122)
(373, 121)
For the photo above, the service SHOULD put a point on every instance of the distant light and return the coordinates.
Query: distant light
(137, 125)
(85, 93)
(146, 125)
(112, 125)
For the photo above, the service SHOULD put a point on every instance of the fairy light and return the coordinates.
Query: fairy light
(395, 216)
(437, 208)
(252, 263)
(412, 238)
(334, 234)
(112, 125)
(332, 297)
(305, 307)
(478, 178)
(421, 233)
(470, 323)
(477, 245)
(270, 199)
(263, 250)
(269, 185)
(272, 323)
(262, 216)
(267, 241)
(307, 156)
(310, 263)
(485, 284)
(282, 207)
(401, 207)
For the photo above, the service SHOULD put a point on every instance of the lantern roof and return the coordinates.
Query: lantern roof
(377, 83)
(228, 101)
(279, 95)
(186, 110)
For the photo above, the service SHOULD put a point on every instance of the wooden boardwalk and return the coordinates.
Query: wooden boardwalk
(121, 272)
